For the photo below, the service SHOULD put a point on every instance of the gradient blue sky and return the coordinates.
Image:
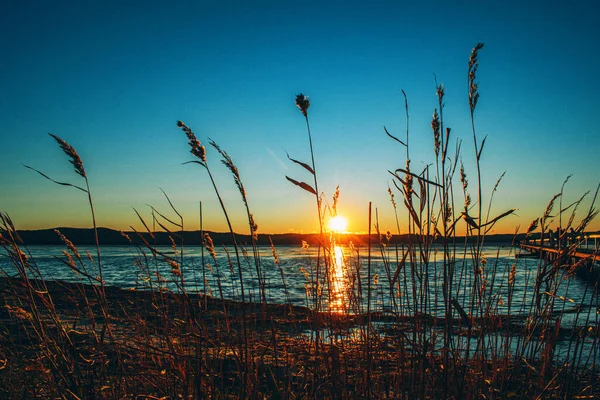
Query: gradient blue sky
(112, 79)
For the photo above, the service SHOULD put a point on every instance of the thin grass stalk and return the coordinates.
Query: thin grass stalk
(303, 103)
(369, 285)
(476, 250)
(412, 224)
(75, 160)
(320, 219)
(277, 263)
(199, 152)
(445, 214)
(202, 245)
(438, 127)
(384, 251)
(228, 162)
(182, 229)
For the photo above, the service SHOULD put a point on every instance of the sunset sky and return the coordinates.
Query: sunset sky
(113, 77)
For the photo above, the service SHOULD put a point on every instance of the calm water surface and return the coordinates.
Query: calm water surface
(293, 279)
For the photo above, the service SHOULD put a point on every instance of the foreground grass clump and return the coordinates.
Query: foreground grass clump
(159, 349)
(431, 316)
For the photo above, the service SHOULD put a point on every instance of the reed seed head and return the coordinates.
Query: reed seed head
(336, 197)
(176, 251)
(210, 246)
(306, 276)
(196, 148)
(68, 243)
(463, 177)
(408, 182)
(228, 162)
(175, 268)
(513, 273)
(126, 236)
(533, 225)
(253, 226)
(439, 90)
(473, 85)
(435, 126)
(72, 154)
(275, 256)
(548, 212)
(307, 290)
(473, 59)
(303, 103)
(392, 197)
(70, 261)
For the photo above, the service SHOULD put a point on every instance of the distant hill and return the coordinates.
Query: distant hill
(84, 236)
(106, 236)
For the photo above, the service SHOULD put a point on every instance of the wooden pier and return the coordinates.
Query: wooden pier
(552, 252)
(588, 256)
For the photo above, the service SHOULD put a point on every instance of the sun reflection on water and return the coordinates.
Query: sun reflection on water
(338, 282)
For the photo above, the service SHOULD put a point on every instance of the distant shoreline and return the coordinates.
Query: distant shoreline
(85, 236)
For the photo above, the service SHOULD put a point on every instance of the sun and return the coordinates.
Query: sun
(338, 224)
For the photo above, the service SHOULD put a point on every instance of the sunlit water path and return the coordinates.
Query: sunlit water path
(345, 290)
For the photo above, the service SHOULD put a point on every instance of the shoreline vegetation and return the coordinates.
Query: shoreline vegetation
(453, 323)
(151, 348)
